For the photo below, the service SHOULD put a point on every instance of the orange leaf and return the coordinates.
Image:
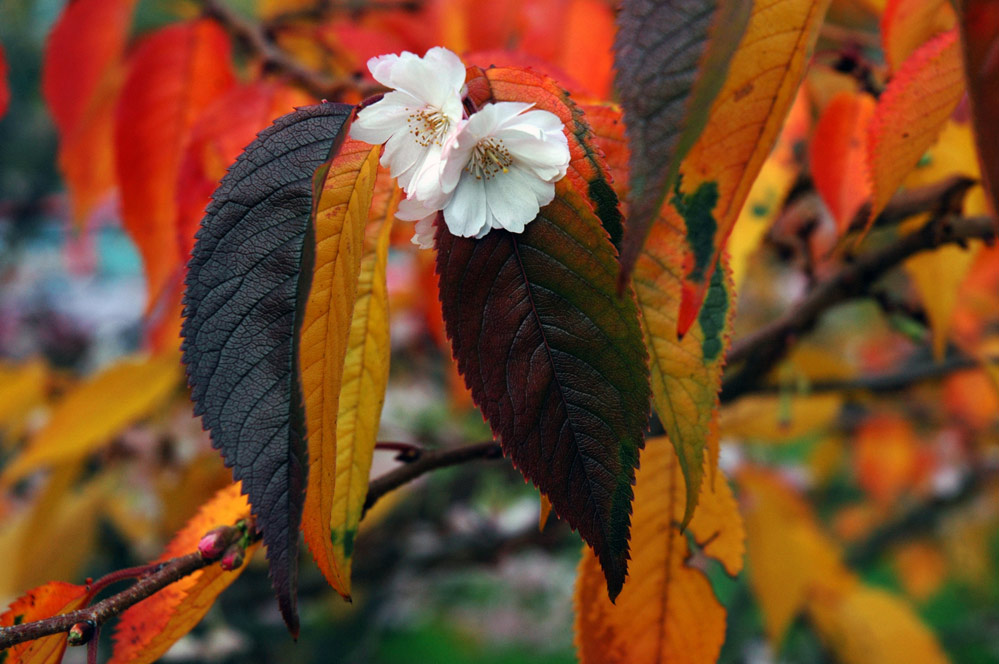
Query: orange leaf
(148, 629)
(53, 598)
(544, 513)
(886, 456)
(81, 77)
(227, 125)
(980, 38)
(174, 74)
(342, 202)
(911, 113)
(742, 127)
(838, 155)
(907, 24)
(667, 610)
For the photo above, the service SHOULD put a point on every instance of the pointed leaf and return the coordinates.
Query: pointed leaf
(838, 155)
(910, 114)
(587, 167)
(343, 199)
(362, 391)
(220, 133)
(174, 74)
(241, 320)
(147, 630)
(671, 60)
(53, 598)
(94, 412)
(908, 24)
(554, 360)
(979, 20)
(742, 127)
(81, 77)
(667, 611)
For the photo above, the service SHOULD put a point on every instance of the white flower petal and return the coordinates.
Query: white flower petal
(411, 209)
(512, 200)
(424, 231)
(467, 213)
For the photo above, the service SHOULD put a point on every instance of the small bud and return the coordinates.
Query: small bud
(80, 633)
(232, 558)
(214, 543)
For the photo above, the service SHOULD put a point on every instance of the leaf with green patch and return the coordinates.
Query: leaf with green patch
(672, 59)
(250, 267)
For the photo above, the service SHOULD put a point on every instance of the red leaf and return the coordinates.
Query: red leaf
(838, 155)
(980, 36)
(54, 598)
(4, 90)
(174, 75)
(81, 77)
(220, 133)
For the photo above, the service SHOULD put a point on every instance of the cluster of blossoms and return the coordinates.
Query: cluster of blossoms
(494, 168)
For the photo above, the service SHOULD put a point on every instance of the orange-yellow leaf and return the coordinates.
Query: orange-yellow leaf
(939, 274)
(174, 74)
(667, 610)
(342, 202)
(362, 391)
(81, 77)
(53, 598)
(788, 555)
(907, 24)
(148, 629)
(911, 113)
(544, 512)
(22, 389)
(742, 127)
(865, 625)
(838, 155)
(921, 567)
(886, 454)
(96, 410)
(779, 418)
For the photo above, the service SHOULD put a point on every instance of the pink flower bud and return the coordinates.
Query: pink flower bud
(214, 543)
(232, 558)
(80, 633)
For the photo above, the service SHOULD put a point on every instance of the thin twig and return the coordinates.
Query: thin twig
(761, 350)
(427, 461)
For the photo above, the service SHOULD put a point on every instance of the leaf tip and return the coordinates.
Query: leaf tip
(690, 304)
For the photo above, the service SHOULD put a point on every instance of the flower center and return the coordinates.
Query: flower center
(489, 158)
(428, 126)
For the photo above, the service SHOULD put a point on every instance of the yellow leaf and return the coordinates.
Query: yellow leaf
(779, 419)
(91, 414)
(148, 629)
(742, 126)
(938, 275)
(907, 24)
(365, 377)
(343, 200)
(865, 625)
(22, 389)
(788, 554)
(911, 113)
(667, 610)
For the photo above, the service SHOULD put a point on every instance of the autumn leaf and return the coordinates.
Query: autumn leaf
(53, 598)
(362, 389)
(146, 630)
(91, 414)
(241, 321)
(886, 457)
(908, 24)
(671, 60)
(910, 114)
(741, 128)
(979, 21)
(23, 388)
(342, 195)
(220, 133)
(838, 155)
(174, 74)
(667, 610)
(82, 74)
(587, 168)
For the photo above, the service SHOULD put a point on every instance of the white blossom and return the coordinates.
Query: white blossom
(416, 118)
(499, 169)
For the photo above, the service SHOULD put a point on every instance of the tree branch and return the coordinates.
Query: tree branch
(761, 350)
(426, 461)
